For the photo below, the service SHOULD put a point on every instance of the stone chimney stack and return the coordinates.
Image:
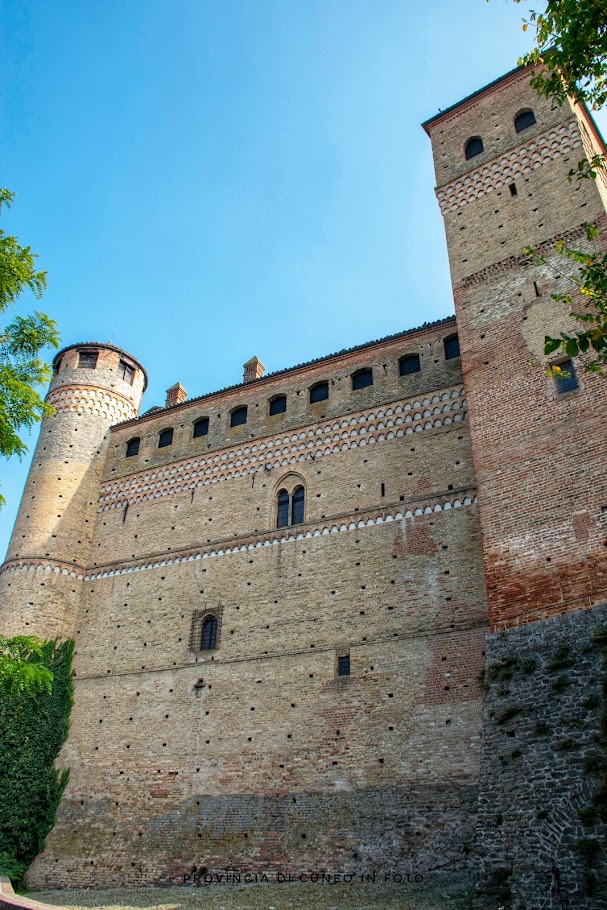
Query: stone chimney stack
(175, 395)
(253, 369)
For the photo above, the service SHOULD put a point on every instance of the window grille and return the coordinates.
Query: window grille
(208, 641)
(566, 383)
(297, 508)
(283, 509)
(343, 665)
(165, 439)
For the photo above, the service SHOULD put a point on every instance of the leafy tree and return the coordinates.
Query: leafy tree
(21, 341)
(22, 671)
(571, 43)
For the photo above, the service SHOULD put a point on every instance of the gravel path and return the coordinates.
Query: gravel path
(436, 893)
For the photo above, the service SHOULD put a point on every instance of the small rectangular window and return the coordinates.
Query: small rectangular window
(278, 405)
(566, 379)
(343, 665)
(126, 371)
(87, 360)
(238, 417)
(319, 392)
(512, 188)
(201, 427)
(451, 347)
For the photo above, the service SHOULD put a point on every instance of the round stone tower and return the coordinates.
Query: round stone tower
(94, 386)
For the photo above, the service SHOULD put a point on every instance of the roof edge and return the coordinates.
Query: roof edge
(472, 97)
(446, 320)
(108, 347)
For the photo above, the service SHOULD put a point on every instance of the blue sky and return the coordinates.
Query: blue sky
(213, 179)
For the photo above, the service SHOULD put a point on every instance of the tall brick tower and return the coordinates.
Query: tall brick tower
(94, 386)
(501, 158)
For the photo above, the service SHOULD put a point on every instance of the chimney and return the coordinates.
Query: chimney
(175, 395)
(253, 369)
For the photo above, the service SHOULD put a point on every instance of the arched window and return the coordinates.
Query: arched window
(201, 427)
(409, 364)
(451, 345)
(523, 120)
(278, 405)
(474, 147)
(132, 447)
(165, 438)
(208, 639)
(238, 417)
(297, 506)
(319, 392)
(362, 378)
(282, 519)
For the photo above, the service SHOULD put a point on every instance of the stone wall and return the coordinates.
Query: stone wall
(542, 766)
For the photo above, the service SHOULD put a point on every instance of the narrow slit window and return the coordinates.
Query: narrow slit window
(132, 447)
(343, 665)
(319, 392)
(297, 509)
(238, 417)
(409, 364)
(126, 371)
(282, 519)
(278, 405)
(208, 640)
(361, 379)
(165, 439)
(201, 427)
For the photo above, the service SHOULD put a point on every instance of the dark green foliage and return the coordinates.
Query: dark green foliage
(562, 660)
(516, 753)
(529, 666)
(565, 744)
(560, 683)
(32, 731)
(541, 728)
(502, 670)
(499, 819)
(590, 703)
(593, 763)
(508, 714)
(588, 816)
(589, 849)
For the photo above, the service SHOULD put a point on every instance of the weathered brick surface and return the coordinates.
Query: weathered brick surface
(257, 753)
(538, 456)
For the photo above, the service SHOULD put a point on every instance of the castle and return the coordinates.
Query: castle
(283, 594)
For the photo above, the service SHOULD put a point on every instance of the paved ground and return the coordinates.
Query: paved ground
(436, 893)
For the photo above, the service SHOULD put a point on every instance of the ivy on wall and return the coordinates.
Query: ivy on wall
(32, 731)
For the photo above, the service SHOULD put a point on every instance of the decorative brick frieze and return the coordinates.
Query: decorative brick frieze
(91, 400)
(503, 170)
(336, 524)
(442, 409)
